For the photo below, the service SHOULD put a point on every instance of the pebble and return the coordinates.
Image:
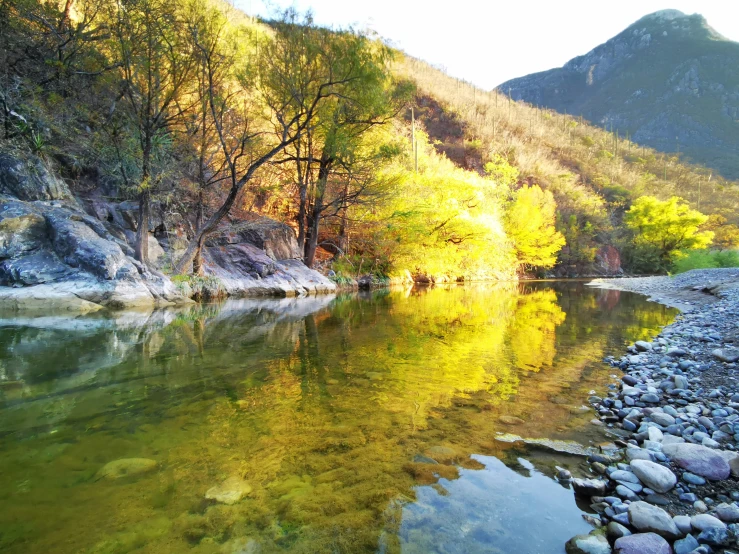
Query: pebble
(686, 545)
(693, 479)
(229, 491)
(127, 468)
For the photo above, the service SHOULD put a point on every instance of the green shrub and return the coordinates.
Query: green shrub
(706, 259)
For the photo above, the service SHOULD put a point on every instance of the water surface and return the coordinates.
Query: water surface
(353, 423)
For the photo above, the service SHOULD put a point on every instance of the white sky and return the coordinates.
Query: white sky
(488, 42)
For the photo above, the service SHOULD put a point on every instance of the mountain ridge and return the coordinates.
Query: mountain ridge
(668, 81)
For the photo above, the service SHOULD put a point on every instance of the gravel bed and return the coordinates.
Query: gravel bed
(670, 483)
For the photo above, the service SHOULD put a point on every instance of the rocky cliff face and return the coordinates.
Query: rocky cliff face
(669, 80)
(55, 255)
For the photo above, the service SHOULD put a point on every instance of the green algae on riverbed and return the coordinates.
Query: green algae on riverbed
(353, 424)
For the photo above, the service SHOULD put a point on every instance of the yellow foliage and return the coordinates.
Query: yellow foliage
(530, 224)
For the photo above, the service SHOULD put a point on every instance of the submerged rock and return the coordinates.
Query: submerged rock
(563, 447)
(511, 420)
(230, 491)
(127, 467)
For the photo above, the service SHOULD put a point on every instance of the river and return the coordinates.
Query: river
(357, 423)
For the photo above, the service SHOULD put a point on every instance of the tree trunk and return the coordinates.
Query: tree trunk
(197, 262)
(196, 243)
(303, 193)
(343, 236)
(301, 214)
(142, 232)
(314, 218)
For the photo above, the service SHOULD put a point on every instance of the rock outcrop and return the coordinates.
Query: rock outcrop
(55, 255)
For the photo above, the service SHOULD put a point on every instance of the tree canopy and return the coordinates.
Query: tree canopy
(667, 226)
(530, 224)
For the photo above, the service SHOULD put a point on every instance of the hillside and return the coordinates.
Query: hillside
(593, 174)
(178, 127)
(668, 81)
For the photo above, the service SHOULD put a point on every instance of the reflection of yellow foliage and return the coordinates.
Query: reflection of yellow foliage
(330, 418)
(532, 332)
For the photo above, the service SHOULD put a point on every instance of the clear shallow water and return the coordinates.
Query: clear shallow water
(354, 424)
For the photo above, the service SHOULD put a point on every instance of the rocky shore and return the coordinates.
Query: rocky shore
(672, 482)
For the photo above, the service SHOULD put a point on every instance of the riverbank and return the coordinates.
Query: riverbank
(673, 485)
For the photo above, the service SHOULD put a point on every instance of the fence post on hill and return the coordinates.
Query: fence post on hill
(414, 143)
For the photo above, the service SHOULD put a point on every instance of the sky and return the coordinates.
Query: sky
(487, 42)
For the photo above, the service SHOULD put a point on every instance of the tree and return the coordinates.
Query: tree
(219, 115)
(726, 235)
(529, 222)
(332, 165)
(287, 82)
(667, 227)
(156, 67)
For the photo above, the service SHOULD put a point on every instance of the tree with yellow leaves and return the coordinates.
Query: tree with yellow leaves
(667, 227)
(529, 222)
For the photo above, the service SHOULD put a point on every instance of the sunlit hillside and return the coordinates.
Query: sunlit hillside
(593, 173)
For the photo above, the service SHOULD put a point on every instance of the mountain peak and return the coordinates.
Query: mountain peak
(669, 81)
(665, 15)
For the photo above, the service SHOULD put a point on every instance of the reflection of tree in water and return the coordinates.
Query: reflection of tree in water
(532, 329)
(328, 414)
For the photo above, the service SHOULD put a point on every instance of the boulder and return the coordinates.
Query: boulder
(686, 545)
(608, 261)
(643, 346)
(34, 269)
(653, 475)
(240, 260)
(22, 229)
(714, 536)
(642, 543)
(616, 531)
(651, 519)
(87, 247)
(732, 458)
(276, 239)
(728, 513)
(698, 459)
